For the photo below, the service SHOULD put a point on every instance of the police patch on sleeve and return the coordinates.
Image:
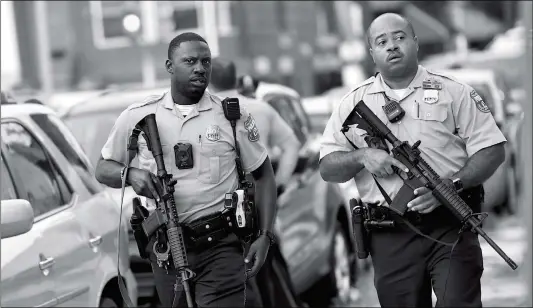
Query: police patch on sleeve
(251, 127)
(480, 104)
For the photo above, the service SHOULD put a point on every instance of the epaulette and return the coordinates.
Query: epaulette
(431, 72)
(151, 99)
(359, 86)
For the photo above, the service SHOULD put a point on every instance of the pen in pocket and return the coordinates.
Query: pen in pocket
(200, 139)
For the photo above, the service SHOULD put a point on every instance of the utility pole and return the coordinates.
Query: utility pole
(46, 77)
(210, 24)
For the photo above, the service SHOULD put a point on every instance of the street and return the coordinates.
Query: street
(501, 286)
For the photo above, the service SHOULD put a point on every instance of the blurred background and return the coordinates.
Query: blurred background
(64, 51)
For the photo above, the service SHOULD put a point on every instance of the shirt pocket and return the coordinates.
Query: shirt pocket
(147, 160)
(431, 127)
(212, 157)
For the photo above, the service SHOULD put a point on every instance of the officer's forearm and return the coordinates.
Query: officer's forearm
(108, 172)
(287, 162)
(265, 195)
(340, 167)
(481, 165)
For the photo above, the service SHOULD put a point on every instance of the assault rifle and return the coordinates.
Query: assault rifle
(166, 213)
(420, 174)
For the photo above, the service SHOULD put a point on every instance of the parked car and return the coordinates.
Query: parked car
(59, 226)
(313, 216)
(500, 188)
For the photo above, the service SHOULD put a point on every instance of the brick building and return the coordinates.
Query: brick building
(294, 42)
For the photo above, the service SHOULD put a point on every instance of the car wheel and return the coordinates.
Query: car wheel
(107, 302)
(342, 269)
(334, 288)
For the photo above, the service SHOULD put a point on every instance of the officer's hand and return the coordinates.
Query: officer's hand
(258, 253)
(379, 163)
(425, 202)
(145, 183)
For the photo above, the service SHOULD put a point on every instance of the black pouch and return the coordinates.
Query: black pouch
(207, 230)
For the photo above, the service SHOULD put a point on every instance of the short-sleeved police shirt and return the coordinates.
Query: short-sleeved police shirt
(452, 124)
(200, 190)
(272, 127)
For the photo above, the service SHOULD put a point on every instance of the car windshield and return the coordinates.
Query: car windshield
(91, 130)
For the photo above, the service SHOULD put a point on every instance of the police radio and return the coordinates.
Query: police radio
(232, 111)
(393, 110)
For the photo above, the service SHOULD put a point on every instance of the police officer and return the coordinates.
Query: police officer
(461, 142)
(275, 131)
(189, 114)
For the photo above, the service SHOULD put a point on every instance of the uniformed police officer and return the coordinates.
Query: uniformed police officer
(461, 142)
(276, 133)
(191, 115)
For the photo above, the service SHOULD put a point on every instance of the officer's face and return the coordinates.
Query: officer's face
(190, 68)
(393, 46)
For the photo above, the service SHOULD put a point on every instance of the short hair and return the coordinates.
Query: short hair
(409, 26)
(184, 37)
(223, 74)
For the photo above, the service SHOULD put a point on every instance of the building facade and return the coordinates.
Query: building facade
(86, 46)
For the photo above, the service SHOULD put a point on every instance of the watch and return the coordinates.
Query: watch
(271, 236)
(122, 173)
(457, 184)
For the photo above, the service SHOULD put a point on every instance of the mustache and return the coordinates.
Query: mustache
(394, 55)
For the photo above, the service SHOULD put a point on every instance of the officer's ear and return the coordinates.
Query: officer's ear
(371, 51)
(415, 38)
(168, 66)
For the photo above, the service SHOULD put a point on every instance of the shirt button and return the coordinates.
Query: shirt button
(207, 226)
(428, 114)
(209, 239)
(214, 152)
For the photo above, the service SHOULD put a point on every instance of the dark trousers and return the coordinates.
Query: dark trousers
(407, 265)
(273, 282)
(220, 279)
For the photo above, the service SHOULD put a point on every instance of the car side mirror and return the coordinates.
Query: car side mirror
(16, 217)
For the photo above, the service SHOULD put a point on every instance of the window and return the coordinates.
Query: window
(67, 144)
(178, 16)
(226, 13)
(7, 188)
(35, 175)
(284, 107)
(107, 28)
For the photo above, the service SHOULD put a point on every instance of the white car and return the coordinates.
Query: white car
(59, 226)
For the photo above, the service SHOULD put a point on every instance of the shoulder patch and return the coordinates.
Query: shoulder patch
(480, 104)
(147, 101)
(251, 127)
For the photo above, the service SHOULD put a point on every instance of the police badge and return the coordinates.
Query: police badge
(480, 104)
(213, 133)
(251, 127)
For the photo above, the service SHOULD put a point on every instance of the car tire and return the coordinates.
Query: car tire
(336, 287)
(107, 302)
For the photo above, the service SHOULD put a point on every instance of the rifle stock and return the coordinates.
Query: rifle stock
(421, 174)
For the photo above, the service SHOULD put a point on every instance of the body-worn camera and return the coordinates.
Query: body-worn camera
(183, 156)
